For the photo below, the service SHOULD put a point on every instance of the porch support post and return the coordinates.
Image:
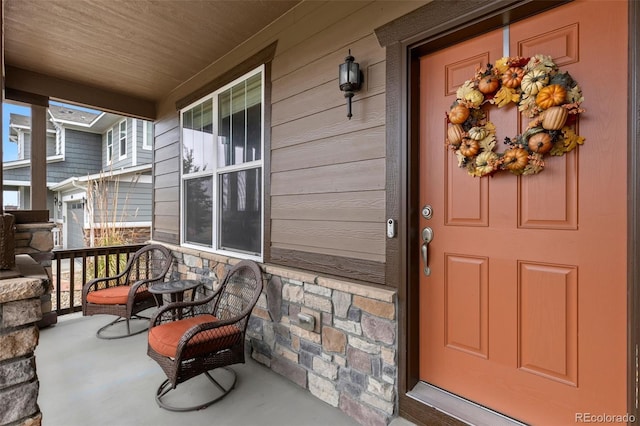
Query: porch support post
(2, 123)
(38, 157)
(1, 156)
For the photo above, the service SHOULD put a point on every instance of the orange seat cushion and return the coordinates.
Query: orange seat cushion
(164, 338)
(114, 295)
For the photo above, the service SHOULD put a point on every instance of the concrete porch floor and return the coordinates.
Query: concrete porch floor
(88, 381)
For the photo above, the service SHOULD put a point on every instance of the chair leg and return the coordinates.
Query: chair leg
(218, 385)
(101, 335)
(166, 387)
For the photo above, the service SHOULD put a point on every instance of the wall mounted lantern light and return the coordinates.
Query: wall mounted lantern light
(350, 78)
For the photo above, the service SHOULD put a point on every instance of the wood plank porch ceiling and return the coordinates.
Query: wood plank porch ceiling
(138, 49)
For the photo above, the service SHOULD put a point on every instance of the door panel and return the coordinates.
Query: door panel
(525, 307)
(548, 318)
(466, 304)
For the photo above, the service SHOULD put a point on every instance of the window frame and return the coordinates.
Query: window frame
(216, 171)
(122, 137)
(109, 146)
(60, 136)
(147, 139)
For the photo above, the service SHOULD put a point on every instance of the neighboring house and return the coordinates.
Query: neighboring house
(524, 305)
(98, 173)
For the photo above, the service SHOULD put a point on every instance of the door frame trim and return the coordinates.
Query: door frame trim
(633, 213)
(429, 28)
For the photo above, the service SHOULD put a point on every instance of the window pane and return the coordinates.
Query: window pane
(52, 143)
(224, 128)
(241, 210)
(254, 118)
(197, 138)
(198, 204)
(187, 119)
(109, 145)
(239, 122)
(123, 138)
(147, 139)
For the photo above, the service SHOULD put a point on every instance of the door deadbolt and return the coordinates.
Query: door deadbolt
(427, 211)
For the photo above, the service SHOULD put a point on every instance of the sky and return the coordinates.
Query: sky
(10, 149)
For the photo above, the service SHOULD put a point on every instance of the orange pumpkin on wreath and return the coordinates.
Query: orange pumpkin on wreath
(515, 159)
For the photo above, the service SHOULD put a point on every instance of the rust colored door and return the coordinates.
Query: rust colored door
(525, 308)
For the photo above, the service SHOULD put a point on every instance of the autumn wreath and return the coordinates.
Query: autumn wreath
(550, 97)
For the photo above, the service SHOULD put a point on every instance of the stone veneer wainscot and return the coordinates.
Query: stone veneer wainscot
(348, 360)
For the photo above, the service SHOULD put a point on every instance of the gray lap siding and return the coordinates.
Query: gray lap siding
(82, 157)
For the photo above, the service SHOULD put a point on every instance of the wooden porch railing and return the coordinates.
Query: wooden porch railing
(72, 269)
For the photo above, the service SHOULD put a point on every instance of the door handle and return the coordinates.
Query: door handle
(427, 236)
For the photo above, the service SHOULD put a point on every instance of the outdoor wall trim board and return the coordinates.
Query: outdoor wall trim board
(633, 214)
(356, 269)
(164, 237)
(337, 283)
(269, 52)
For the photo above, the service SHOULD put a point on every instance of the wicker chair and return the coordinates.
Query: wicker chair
(209, 336)
(125, 294)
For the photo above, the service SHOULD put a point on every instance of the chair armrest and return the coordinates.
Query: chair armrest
(93, 285)
(113, 281)
(193, 331)
(167, 313)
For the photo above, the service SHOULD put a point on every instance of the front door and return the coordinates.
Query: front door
(525, 308)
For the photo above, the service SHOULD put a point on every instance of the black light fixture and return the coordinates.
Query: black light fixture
(350, 78)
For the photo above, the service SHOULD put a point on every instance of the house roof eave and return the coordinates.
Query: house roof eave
(75, 181)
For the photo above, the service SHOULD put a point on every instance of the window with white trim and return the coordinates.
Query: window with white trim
(147, 134)
(122, 138)
(222, 169)
(59, 139)
(109, 146)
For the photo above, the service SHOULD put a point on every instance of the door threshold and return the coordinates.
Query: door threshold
(459, 408)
